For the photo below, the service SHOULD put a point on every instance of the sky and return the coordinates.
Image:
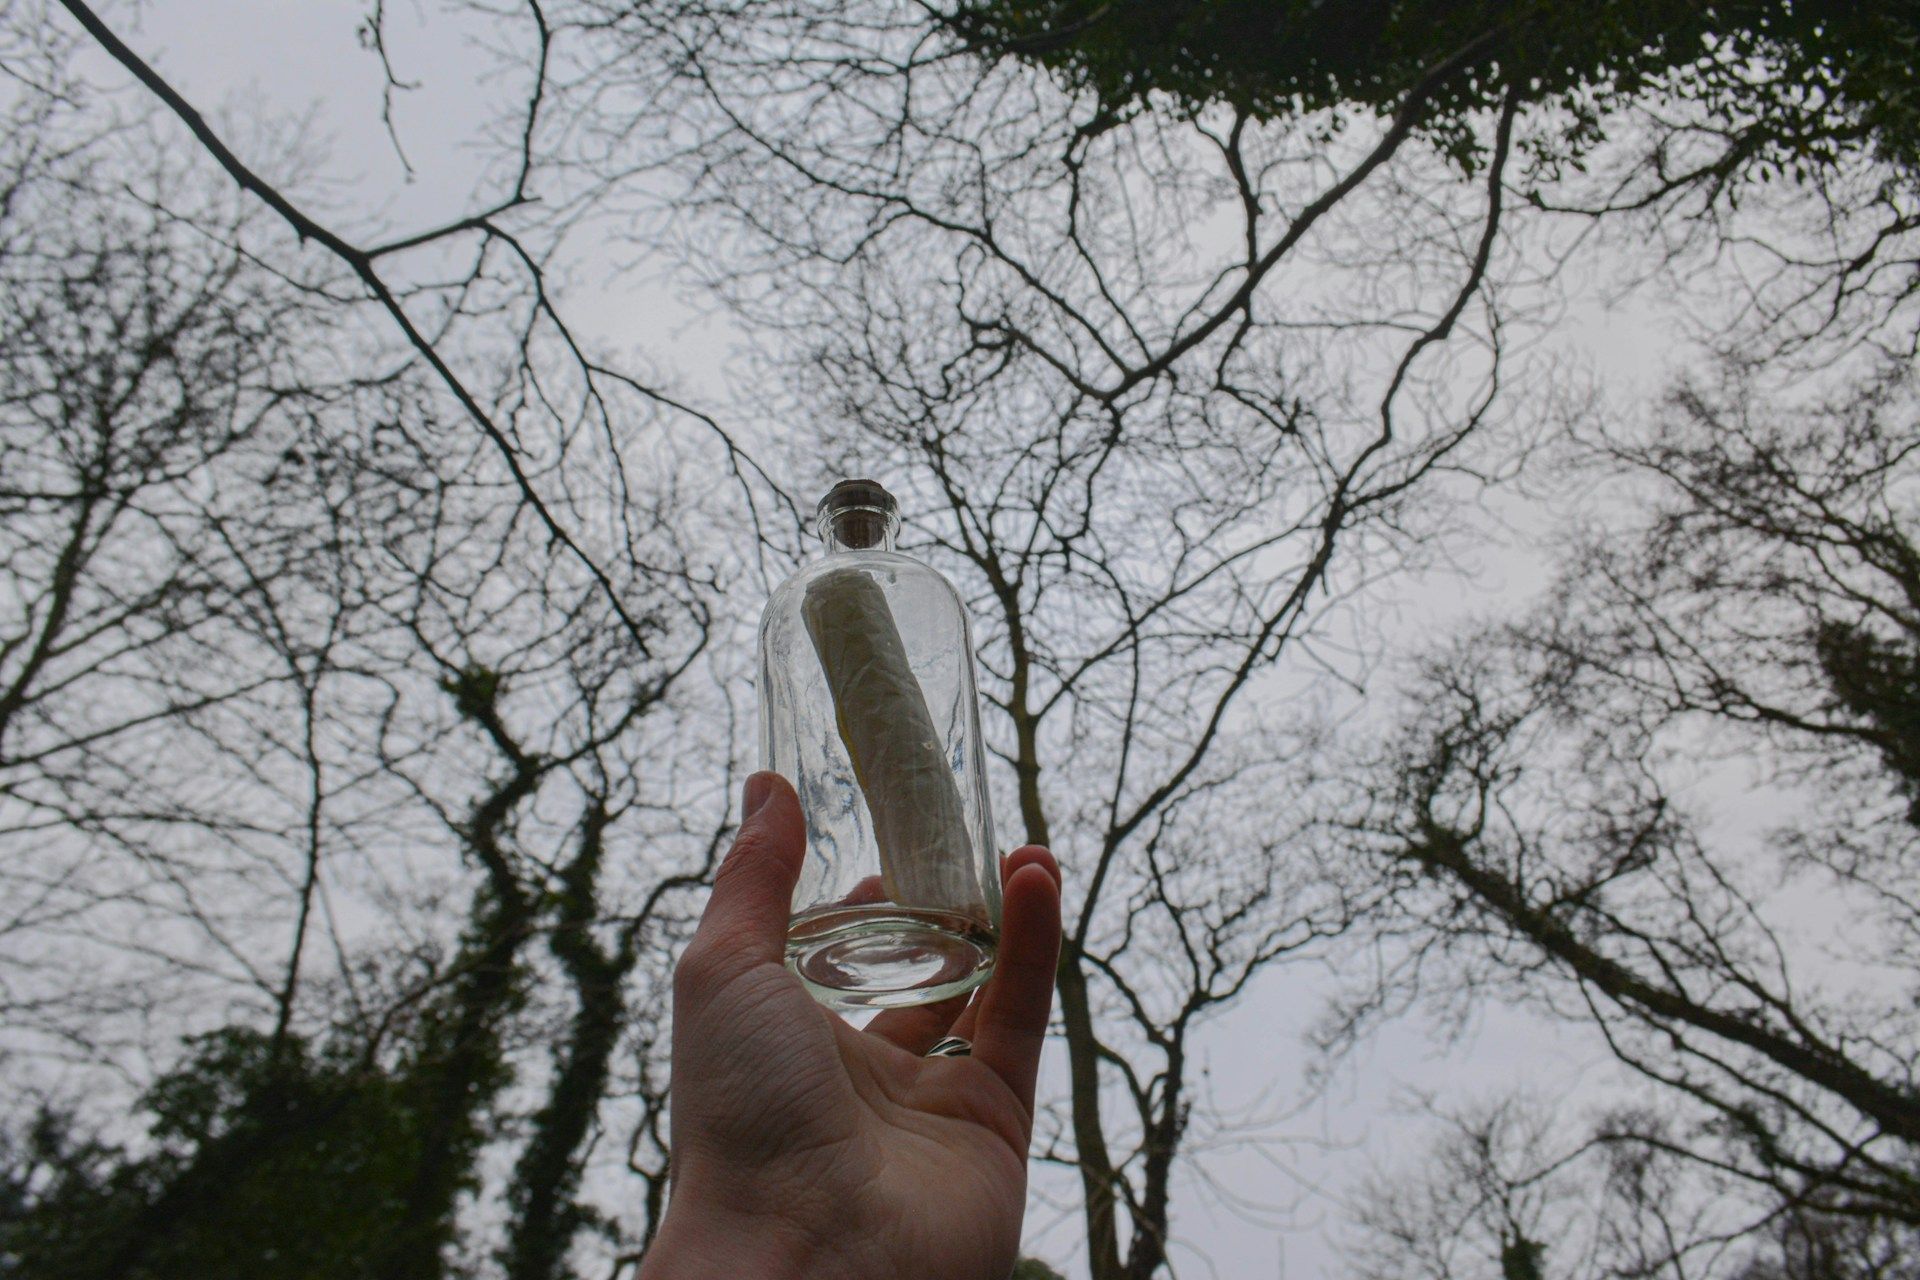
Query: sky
(239, 58)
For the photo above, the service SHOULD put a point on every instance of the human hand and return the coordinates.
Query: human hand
(803, 1147)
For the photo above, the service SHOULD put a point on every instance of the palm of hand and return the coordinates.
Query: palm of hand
(922, 1161)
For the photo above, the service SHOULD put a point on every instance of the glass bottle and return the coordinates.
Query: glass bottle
(868, 706)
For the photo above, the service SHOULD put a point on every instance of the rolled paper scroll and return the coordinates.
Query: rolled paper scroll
(926, 855)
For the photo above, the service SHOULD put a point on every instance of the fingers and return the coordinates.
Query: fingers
(1025, 855)
(1028, 855)
(746, 917)
(1010, 1018)
(864, 893)
(917, 1030)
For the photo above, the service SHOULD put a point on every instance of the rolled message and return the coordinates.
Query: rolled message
(926, 855)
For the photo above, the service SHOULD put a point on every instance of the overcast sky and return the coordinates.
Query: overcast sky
(241, 59)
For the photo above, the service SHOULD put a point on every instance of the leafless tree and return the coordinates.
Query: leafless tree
(1489, 1199)
(320, 709)
(1134, 416)
(1546, 823)
(1764, 212)
(1167, 394)
(157, 409)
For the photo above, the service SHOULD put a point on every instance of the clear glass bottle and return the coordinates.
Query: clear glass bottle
(868, 705)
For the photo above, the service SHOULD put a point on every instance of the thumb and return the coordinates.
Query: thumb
(745, 922)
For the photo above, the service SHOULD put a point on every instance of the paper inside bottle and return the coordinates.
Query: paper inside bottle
(926, 854)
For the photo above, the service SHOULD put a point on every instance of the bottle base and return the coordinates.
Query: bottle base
(883, 956)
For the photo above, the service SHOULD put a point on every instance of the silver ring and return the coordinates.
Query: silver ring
(951, 1047)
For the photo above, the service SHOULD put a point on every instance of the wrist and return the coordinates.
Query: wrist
(699, 1239)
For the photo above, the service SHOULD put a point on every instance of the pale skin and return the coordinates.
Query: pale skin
(805, 1148)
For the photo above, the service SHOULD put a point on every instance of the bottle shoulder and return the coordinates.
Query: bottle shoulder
(905, 580)
(899, 574)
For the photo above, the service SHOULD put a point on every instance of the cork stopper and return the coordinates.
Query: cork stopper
(858, 515)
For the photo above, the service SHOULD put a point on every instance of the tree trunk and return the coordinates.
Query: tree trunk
(463, 1072)
(548, 1172)
(1089, 1139)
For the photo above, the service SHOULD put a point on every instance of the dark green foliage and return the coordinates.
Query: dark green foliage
(455, 1069)
(61, 1196)
(546, 1216)
(1520, 1259)
(1879, 681)
(1801, 81)
(263, 1161)
(475, 691)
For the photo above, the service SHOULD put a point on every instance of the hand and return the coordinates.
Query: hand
(802, 1147)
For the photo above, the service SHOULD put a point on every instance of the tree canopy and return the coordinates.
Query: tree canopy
(375, 644)
(263, 1159)
(1754, 601)
(1806, 78)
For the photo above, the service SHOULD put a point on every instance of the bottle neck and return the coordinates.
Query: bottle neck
(859, 529)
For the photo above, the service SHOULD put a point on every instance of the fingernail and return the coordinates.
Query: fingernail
(759, 787)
